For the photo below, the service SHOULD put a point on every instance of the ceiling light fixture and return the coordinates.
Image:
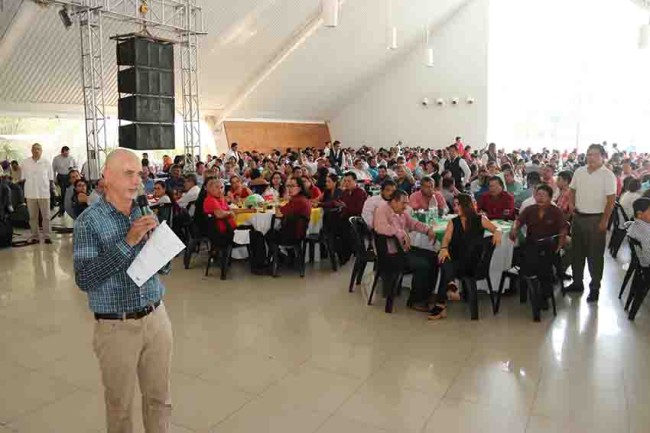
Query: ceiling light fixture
(428, 50)
(65, 18)
(644, 36)
(392, 30)
(330, 9)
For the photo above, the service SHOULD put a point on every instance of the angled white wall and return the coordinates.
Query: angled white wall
(390, 108)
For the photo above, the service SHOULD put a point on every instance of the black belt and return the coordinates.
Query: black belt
(124, 316)
(589, 214)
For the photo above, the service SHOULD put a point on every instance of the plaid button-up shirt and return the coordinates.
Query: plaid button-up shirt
(102, 256)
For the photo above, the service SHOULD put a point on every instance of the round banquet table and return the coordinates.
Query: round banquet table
(261, 221)
(501, 259)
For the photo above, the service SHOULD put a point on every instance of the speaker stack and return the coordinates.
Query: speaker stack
(145, 81)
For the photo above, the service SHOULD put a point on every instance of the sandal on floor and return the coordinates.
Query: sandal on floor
(453, 294)
(439, 311)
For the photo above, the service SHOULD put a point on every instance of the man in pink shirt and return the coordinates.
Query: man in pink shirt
(427, 197)
(392, 220)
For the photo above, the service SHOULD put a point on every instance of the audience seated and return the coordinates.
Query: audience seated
(175, 181)
(497, 203)
(372, 203)
(532, 180)
(215, 204)
(404, 180)
(97, 192)
(632, 193)
(460, 251)
(191, 193)
(392, 219)
(352, 199)
(546, 231)
(563, 181)
(428, 197)
(639, 229)
(161, 194)
(238, 191)
(79, 197)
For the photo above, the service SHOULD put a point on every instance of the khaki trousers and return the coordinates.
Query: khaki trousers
(129, 348)
(34, 206)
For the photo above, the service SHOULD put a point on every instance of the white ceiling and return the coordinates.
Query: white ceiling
(39, 58)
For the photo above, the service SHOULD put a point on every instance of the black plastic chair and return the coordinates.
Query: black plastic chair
(390, 267)
(529, 287)
(224, 250)
(634, 265)
(619, 217)
(363, 255)
(482, 272)
(639, 276)
(326, 248)
(291, 236)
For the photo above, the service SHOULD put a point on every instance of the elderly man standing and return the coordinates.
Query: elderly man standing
(38, 176)
(592, 197)
(133, 335)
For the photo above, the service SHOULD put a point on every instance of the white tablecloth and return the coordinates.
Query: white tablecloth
(262, 223)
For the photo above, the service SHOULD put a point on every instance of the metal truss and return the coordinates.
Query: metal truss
(90, 26)
(180, 17)
(190, 86)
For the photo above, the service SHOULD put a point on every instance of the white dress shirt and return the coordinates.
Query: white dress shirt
(62, 165)
(37, 176)
(188, 197)
(369, 208)
(592, 189)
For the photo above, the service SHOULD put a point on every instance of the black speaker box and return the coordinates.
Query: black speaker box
(141, 108)
(145, 52)
(145, 81)
(138, 136)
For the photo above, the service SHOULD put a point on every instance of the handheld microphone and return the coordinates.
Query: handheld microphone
(142, 201)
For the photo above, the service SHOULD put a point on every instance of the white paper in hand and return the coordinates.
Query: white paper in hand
(162, 246)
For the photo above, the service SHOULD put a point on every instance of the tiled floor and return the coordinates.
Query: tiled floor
(256, 354)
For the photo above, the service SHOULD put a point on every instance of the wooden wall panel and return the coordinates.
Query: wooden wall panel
(266, 136)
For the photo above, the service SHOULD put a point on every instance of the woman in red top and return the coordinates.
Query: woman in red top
(238, 191)
(298, 205)
(215, 204)
(314, 192)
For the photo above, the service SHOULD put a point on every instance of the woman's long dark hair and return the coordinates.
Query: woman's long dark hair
(168, 192)
(466, 203)
(303, 188)
(283, 187)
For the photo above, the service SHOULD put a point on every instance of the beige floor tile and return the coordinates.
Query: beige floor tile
(639, 417)
(81, 370)
(598, 424)
(198, 404)
(269, 417)
(29, 391)
(311, 388)
(432, 376)
(339, 424)
(78, 412)
(357, 360)
(565, 397)
(459, 416)
(386, 405)
(496, 385)
(249, 371)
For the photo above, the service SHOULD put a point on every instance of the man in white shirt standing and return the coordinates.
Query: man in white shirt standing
(233, 153)
(61, 166)
(592, 196)
(38, 176)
